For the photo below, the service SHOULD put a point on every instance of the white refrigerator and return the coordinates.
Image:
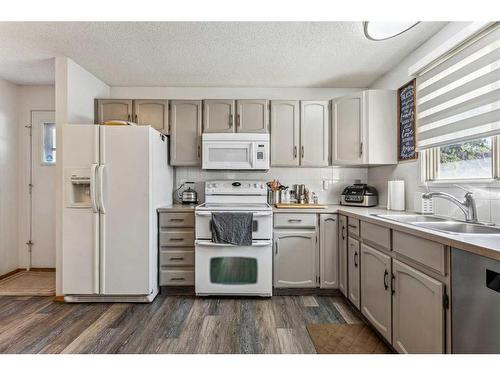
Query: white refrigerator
(115, 177)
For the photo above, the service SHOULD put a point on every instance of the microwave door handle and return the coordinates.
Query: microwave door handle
(253, 154)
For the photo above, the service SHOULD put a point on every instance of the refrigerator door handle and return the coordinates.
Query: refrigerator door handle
(93, 190)
(100, 179)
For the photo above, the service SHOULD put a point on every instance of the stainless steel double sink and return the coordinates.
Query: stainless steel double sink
(441, 224)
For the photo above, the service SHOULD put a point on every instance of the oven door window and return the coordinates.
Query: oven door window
(233, 270)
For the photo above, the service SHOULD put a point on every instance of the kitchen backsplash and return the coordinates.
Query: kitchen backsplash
(337, 177)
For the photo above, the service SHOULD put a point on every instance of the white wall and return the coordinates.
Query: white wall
(228, 93)
(75, 90)
(488, 199)
(28, 98)
(8, 177)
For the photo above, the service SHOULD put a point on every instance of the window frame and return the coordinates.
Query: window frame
(429, 166)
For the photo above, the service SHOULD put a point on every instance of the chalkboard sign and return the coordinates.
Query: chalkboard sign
(406, 122)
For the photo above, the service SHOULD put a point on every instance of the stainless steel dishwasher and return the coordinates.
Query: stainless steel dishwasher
(475, 303)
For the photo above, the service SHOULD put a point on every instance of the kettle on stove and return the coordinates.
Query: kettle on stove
(187, 196)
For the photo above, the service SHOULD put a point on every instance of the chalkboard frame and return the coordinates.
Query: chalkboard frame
(414, 83)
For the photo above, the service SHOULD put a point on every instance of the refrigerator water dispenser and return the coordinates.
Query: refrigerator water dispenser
(78, 184)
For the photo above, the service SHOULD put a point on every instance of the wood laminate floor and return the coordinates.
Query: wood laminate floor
(173, 324)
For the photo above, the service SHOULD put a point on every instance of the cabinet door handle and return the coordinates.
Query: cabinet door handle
(356, 259)
(295, 152)
(238, 120)
(230, 120)
(276, 247)
(393, 279)
(199, 151)
(302, 152)
(136, 119)
(343, 232)
(128, 117)
(386, 286)
(361, 149)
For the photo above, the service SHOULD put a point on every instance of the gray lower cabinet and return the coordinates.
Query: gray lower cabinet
(185, 132)
(353, 266)
(375, 289)
(176, 248)
(252, 116)
(152, 112)
(342, 230)
(113, 109)
(218, 116)
(314, 133)
(295, 258)
(328, 251)
(418, 312)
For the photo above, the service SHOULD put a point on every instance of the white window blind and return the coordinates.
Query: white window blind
(458, 98)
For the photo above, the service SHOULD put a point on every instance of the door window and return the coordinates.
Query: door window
(48, 143)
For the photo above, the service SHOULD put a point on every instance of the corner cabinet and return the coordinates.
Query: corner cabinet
(375, 289)
(353, 266)
(185, 132)
(328, 251)
(362, 122)
(295, 261)
(418, 312)
(343, 254)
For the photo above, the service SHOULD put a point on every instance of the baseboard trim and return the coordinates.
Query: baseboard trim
(305, 292)
(177, 290)
(42, 269)
(58, 299)
(9, 274)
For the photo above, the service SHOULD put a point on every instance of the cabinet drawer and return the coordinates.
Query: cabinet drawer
(177, 238)
(176, 220)
(177, 277)
(353, 226)
(376, 235)
(428, 253)
(177, 257)
(295, 220)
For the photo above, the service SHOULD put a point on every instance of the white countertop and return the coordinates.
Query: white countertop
(480, 244)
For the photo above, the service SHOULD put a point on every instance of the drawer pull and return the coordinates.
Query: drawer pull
(177, 239)
(176, 220)
(356, 259)
(352, 226)
(343, 232)
(177, 279)
(294, 220)
(176, 258)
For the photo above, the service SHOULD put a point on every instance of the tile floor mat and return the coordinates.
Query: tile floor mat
(334, 338)
(29, 283)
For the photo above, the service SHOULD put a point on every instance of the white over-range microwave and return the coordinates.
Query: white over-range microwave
(235, 151)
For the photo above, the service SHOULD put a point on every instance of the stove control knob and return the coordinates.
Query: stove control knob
(215, 185)
(256, 185)
(262, 186)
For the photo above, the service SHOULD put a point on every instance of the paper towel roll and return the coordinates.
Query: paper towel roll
(396, 195)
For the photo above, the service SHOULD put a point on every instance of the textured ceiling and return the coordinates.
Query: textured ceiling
(248, 54)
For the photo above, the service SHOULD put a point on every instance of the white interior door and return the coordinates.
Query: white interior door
(43, 195)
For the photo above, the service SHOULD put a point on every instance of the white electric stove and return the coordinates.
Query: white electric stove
(224, 269)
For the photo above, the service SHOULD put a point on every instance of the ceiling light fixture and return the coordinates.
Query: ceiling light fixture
(386, 30)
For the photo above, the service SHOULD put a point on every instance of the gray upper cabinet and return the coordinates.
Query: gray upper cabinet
(328, 251)
(285, 133)
(252, 116)
(375, 289)
(113, 109)
(353, 265)
(218, 116)
(417, 310)
(185, 132)
(347, 141)
(361, 123)
(314, 133)
(152, 112)
(295, 259)
(343, 254)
